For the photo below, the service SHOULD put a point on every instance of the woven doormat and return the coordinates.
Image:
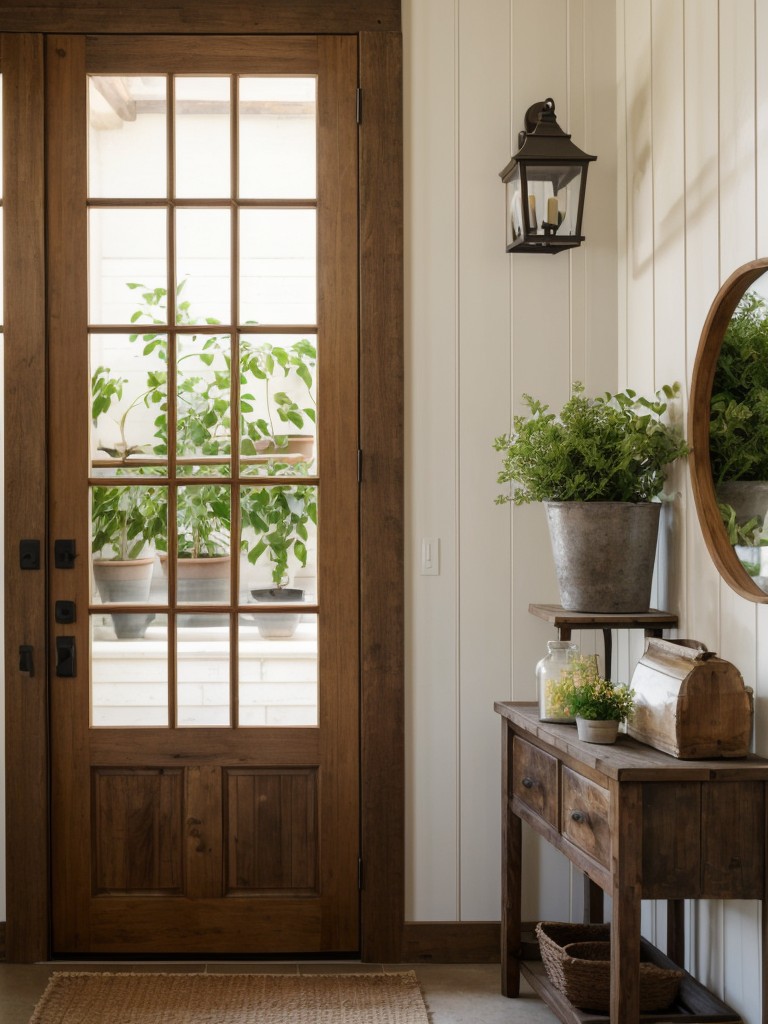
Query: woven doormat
(96, 998)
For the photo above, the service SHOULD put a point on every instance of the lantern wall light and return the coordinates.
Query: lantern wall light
(545, 182)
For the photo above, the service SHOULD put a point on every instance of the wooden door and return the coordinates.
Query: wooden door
(202, 310)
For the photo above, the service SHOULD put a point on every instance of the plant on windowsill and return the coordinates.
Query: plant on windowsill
(261, 362)
(125, 521)
(203, 430)
(277, 519)
(598, 467)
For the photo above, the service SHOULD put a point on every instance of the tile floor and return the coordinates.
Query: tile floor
(453, 993)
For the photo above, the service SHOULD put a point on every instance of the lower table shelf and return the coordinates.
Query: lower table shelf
(694, 1003)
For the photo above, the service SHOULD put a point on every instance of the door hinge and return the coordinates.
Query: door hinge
(359, 465)
(360, 873)
(359, 105)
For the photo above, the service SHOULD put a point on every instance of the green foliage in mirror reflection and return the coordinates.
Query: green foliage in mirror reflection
(738, 426)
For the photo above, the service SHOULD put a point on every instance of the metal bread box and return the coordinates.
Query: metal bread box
(690, 703)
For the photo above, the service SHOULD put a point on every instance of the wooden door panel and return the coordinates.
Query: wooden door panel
(225, 837)
(137, 844)
(271, 827)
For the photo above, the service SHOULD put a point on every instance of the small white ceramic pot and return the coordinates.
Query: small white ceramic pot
(597, 732)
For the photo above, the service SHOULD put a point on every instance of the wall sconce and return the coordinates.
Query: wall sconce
(545, 184)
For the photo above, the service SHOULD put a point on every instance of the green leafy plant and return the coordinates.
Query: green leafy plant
(582, 693)
(279, 514)
(203, 399)
(203, 413)
(266, 362)
(738, 424)
(749, 534)
(609, 448)
(204, 516)
(126, 519)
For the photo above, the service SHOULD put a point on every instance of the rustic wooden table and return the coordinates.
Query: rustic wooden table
(641, 825)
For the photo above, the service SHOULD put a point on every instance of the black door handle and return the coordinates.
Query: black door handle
(66, 657)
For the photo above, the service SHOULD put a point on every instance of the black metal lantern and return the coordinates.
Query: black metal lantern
(545, 184)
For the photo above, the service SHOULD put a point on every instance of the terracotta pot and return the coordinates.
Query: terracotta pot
(125, 582)
(604, 554)
(201, 581)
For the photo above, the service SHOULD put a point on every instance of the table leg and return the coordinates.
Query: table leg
(676, 931)
(626, 811)
(511, 876)
(594, 907)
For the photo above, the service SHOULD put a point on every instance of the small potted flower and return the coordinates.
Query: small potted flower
(596, 703)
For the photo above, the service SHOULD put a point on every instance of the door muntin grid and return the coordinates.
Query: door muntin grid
(204, 367)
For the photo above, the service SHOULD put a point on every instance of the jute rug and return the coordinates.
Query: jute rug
(96, 998)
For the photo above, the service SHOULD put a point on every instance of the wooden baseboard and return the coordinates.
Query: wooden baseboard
(451, 942)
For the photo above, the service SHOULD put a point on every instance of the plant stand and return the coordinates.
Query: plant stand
(652, 622)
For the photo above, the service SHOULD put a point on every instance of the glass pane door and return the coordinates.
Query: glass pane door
(203, 349)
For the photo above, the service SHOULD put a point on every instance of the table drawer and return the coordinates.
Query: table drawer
(585, 816)
(534, 780)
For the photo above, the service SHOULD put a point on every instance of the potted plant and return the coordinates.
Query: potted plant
(599, 467)
(278, 514)
(597, 704)
(266, 362)
(203, 416)
(278, 519)
(125, 520)
(738, 420)
(746, 538)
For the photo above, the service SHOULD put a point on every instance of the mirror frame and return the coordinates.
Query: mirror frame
(707, 354)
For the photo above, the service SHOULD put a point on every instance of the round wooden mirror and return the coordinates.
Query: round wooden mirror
(729, 474)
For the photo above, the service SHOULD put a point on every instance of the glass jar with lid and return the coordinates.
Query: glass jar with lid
(549, 672)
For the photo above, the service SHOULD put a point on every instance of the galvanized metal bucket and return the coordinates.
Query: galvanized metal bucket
(604, 554)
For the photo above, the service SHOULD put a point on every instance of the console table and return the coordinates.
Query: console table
(641, 825)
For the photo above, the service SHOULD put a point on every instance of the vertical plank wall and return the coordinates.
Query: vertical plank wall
(483, 327)
(671, 97)
(693, 108)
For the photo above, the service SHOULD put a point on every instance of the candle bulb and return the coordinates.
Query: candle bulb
(532, 209)
(517, 213)
(552, 210)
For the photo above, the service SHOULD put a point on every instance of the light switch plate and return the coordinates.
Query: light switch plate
(430, 556)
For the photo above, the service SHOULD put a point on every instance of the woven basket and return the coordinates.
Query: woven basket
(577, 959)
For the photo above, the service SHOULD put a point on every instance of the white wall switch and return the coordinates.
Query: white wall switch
(430, 556)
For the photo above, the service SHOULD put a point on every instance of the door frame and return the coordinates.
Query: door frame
(381, 437)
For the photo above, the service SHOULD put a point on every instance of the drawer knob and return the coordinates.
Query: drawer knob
(528, 782)
(579, 816)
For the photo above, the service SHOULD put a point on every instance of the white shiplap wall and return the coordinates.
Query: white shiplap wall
(482, 328)
(673, 97)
